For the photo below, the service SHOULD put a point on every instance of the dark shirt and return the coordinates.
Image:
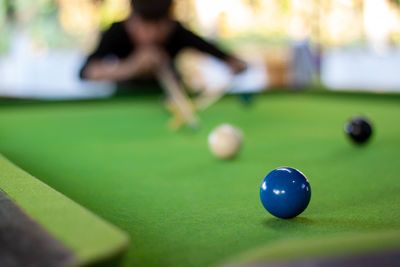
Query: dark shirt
(116, 42)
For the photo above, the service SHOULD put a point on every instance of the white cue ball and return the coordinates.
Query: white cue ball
(225, 141)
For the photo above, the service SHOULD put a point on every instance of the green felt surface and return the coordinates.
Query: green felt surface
(90, 238)
(182, 207)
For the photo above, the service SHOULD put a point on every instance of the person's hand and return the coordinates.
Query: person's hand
(100, 68)
(146, 60)
(237, 66)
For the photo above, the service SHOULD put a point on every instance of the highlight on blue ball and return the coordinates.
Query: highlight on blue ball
(285, 192)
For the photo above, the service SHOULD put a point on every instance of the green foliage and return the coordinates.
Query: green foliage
(396, 2)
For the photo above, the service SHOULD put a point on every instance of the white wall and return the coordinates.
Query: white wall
(29, 72)
(361, 69)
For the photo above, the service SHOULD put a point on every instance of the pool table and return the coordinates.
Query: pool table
(172, 203)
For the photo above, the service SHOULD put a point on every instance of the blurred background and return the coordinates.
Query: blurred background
(290, 44)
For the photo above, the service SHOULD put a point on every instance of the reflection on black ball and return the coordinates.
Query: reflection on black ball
(359, 130)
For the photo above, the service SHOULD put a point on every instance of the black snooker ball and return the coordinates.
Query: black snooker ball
(245, 98)
(359, 130)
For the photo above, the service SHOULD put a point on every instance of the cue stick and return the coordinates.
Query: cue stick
(207, 99)
(181, 106)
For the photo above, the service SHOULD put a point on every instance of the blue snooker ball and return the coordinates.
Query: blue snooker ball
(285, 192)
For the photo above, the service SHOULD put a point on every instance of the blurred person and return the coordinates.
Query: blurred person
(304, 64)
(134, 48)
